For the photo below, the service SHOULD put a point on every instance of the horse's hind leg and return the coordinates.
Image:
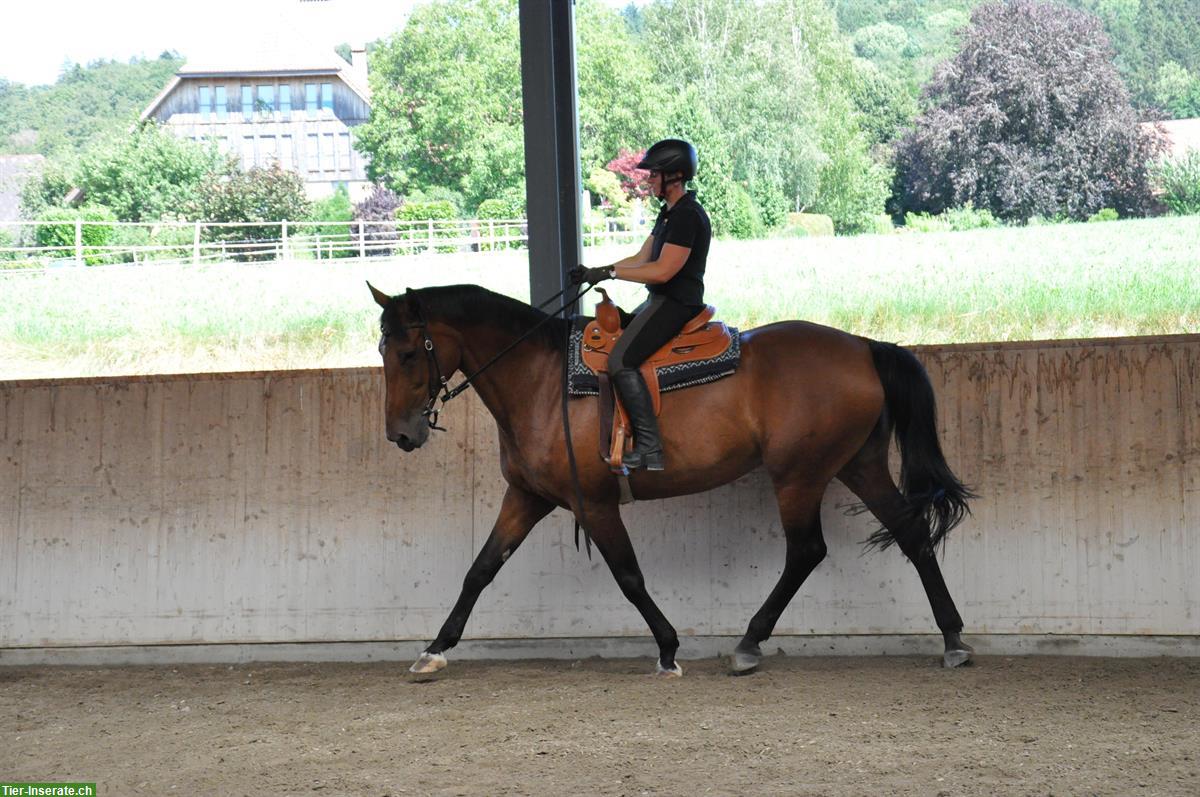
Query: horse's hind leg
(612, 539)
(800, 510)
(868, 477)
(519, 513)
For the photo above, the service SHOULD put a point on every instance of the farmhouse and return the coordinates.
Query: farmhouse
(278, 101)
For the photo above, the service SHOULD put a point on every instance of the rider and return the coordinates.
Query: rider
(671, 265)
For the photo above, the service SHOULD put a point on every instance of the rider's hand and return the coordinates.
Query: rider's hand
(591, 276)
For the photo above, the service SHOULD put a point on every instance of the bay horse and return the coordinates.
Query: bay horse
(808, 402)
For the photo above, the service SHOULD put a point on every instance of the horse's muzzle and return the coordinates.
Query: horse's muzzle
(404, 442)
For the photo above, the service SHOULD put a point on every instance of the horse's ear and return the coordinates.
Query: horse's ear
(381, 298)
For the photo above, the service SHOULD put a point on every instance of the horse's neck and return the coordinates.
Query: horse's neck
(511, 387)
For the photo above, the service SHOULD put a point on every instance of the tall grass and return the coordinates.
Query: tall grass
(1057, 281)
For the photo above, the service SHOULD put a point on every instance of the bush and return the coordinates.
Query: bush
(7, 241)
(257, 195)
(1030, 118)
(811, 223)
(968, 217)
(741, 219)
(337, 240)
(380, 206)
(178, 238)
(146, 173)
(439, 194)
(1104, 214)
(606, 187)
(953, 220)
(924, 222)
(1180, 181)
(511, 210)
(62, 235)
(419, 234)
(772, 205)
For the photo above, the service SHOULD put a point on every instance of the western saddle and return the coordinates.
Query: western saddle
(700, 339)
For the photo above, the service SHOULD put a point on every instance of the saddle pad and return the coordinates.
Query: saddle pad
(583, 380)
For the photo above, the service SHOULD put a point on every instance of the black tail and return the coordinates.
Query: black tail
(935, 496)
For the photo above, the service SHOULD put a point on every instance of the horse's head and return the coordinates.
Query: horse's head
(416, 357)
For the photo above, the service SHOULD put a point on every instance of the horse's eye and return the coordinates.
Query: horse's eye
(407, 356)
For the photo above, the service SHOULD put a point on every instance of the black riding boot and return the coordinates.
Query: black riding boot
(647, 452)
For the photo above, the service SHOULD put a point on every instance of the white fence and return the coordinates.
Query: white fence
(73, 243)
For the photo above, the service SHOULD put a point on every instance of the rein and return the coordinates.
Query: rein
(431, 411)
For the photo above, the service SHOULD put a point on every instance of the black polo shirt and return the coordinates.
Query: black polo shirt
(685, 225)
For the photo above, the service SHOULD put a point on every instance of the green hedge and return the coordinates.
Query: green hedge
(811, 223)
(62, 235)
(437, 210)
(506, 209)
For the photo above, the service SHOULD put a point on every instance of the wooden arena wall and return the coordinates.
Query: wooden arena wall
(268, 507)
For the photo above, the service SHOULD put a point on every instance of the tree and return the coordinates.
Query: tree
(270, 194)
(1177, 91)
(778, 76)
(446, 101)
(86, 105)
(146, 174)
(621, 103)
(633, 179)
(447, 106)
(1030, 118)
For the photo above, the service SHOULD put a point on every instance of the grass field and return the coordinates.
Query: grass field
(1135, 277)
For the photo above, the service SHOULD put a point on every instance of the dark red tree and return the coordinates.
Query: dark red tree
(633, 179)
(1030, 118)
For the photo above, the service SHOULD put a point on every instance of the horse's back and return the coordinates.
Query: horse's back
(818, 381)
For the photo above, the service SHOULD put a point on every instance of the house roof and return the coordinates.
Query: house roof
(1182, 135)
(274, 49)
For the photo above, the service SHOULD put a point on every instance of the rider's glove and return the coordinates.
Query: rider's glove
(591, 276)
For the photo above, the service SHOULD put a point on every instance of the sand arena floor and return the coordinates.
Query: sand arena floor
(800, 726)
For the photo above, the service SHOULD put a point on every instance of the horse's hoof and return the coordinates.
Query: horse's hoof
(960, 657)
(744, 662)
(662, 672)
(428, 663)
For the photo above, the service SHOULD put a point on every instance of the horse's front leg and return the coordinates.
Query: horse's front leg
(519, 513)
(612, 539)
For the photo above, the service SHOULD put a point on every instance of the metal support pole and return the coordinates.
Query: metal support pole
(552, 181)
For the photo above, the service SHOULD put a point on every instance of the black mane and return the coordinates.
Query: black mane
(471, 305)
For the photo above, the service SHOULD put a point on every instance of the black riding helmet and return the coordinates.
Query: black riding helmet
(669, 156)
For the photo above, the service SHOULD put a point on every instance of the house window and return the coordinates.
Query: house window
(328, 161)
(310, 98)
(344, 152)
(222, 103)
(326, 96)
(205, 102)
(247, 151)
(268, 150)
(266, 100)
(285, 101)
(247, 103)
(312, 151)
(287, 155)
